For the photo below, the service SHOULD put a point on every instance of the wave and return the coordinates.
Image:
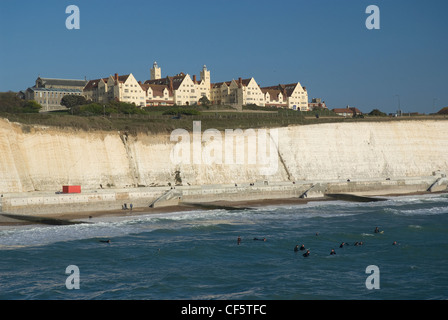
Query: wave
(110, 227)
(418, 211)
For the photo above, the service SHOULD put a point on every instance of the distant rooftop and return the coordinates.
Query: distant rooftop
(41, 82)
(55, 90)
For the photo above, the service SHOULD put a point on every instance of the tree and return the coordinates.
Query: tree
(204, 101)
(9, 102)
(443, 111)
(73, 100)
(377, 113)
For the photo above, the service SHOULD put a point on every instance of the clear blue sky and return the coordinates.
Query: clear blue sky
(323, 44)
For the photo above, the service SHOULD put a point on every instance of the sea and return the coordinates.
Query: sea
(195, 255)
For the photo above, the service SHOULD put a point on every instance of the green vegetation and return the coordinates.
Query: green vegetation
(377, 113)
(11, 103)
(113, 107)
(125, 117)
(204, 101)
(443, 111)
(72, 100)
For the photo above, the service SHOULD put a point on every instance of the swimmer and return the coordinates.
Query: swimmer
(332, 252)
(307, 253)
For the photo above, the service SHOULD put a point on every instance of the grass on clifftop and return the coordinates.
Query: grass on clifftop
(156, 119)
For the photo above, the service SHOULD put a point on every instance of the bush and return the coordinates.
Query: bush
(112, 107)
(88, 109)
(443, 111)
(11, 103)
(123, 108)
(31, 106)
(378, 113)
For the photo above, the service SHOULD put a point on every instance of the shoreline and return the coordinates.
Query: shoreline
(138, 211)
(85, 216)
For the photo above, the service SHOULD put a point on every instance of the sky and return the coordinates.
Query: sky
(323, 44)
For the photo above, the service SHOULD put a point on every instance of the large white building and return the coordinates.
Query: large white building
(120, 88)
(247, 91)
(182, 89)
(292, 96)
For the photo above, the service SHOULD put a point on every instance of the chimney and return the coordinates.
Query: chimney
(171, 84)
(240, 82)
(194, 79)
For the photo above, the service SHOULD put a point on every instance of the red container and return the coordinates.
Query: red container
(71, 189)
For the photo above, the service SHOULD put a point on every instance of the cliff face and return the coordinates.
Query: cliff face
(44, 158)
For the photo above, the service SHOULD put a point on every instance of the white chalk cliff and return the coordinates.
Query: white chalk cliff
(40, 158)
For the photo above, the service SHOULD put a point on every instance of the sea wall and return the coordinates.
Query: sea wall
(44, 159)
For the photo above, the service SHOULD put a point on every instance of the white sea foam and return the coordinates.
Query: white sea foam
(418, 211)
(109, 227)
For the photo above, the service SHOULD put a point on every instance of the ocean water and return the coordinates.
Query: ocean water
(195, 255)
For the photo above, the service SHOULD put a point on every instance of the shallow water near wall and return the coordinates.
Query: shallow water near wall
(195, 255)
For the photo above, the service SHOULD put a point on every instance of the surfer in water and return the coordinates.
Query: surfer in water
(377, 230)
(307, 253)
(264, 239)
(296, 248)
(238, 241)
(332, 252)
(105, 241)
(302, 247)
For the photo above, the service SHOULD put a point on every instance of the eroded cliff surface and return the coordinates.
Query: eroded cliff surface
(45, 158)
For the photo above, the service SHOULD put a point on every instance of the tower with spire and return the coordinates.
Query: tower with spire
(156, 72)
(205, 75)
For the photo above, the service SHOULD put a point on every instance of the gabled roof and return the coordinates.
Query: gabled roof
(173, 83)
(120, 79)
(273, 93)
(94, 83)
(157, 89)
(286, 89)
(242, 82)
(220, 84)
(347, 110)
